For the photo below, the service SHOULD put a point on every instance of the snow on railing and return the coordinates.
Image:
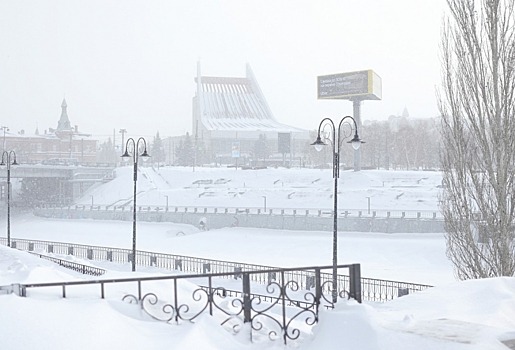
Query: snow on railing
(353, 213)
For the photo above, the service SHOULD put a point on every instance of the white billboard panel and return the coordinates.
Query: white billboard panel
(361, 85)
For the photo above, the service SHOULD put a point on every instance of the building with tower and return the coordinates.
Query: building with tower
(61, 146)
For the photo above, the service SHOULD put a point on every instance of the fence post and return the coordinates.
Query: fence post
(237, 272)
(355, 282)
(271, 277)
(310, 282)
(206, 267)
(246, 298)
(318, 291)
(402, 292)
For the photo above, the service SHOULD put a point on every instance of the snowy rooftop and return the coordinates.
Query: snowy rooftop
(235, 104)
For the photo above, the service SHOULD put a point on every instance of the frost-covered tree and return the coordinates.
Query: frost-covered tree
(477, 103)
(185, 152)
(158, 151)
(106, 152)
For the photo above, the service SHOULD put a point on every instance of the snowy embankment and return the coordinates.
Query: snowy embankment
(279, 188)
(461, 315)
(453, 315)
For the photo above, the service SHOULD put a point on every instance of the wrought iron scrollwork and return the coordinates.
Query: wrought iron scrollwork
(263, 316)
(234, 317)
(198, 295)
(167, 310)
(282, 311)
(328, 285)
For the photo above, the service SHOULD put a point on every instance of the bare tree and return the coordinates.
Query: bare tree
(477, 104)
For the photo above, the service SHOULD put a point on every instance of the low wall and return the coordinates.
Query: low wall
(259, 220)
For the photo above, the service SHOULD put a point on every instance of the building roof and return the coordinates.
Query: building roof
(235, 104)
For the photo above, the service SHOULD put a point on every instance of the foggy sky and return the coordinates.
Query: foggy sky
(131, 64)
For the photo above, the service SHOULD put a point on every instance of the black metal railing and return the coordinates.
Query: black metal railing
(371, 289)
(382, 290)
(276, 311)
(84, 269)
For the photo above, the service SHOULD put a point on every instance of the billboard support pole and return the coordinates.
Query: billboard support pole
(356, 109)
(353, 86)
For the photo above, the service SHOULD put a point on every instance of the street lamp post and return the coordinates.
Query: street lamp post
(335, 137)
(8, 159)
(132, 149)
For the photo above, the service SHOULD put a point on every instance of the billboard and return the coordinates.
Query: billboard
(361, 85)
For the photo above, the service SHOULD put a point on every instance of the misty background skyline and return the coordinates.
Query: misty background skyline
(132, 64)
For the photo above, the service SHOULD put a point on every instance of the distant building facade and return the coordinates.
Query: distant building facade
(63, 144)
(232, 123)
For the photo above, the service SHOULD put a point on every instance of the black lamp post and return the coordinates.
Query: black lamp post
(132, 149)
(8, 159)
(335, 137)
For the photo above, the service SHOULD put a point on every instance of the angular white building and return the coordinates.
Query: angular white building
(231, 114)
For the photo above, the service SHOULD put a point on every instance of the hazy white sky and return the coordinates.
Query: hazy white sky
(131, 64)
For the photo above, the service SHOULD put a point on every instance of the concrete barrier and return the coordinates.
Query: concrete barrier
(220, 218)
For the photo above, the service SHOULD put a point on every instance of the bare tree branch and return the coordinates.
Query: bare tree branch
(477, 103)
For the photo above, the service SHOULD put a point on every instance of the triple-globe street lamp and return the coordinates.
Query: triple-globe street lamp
(133, 149)
(8, 159)
(335, 136)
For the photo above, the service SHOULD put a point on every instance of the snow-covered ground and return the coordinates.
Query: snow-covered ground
(452, 315)
(283, 188)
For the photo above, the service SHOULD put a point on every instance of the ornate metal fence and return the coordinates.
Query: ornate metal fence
(371, 289)
(277, 312)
